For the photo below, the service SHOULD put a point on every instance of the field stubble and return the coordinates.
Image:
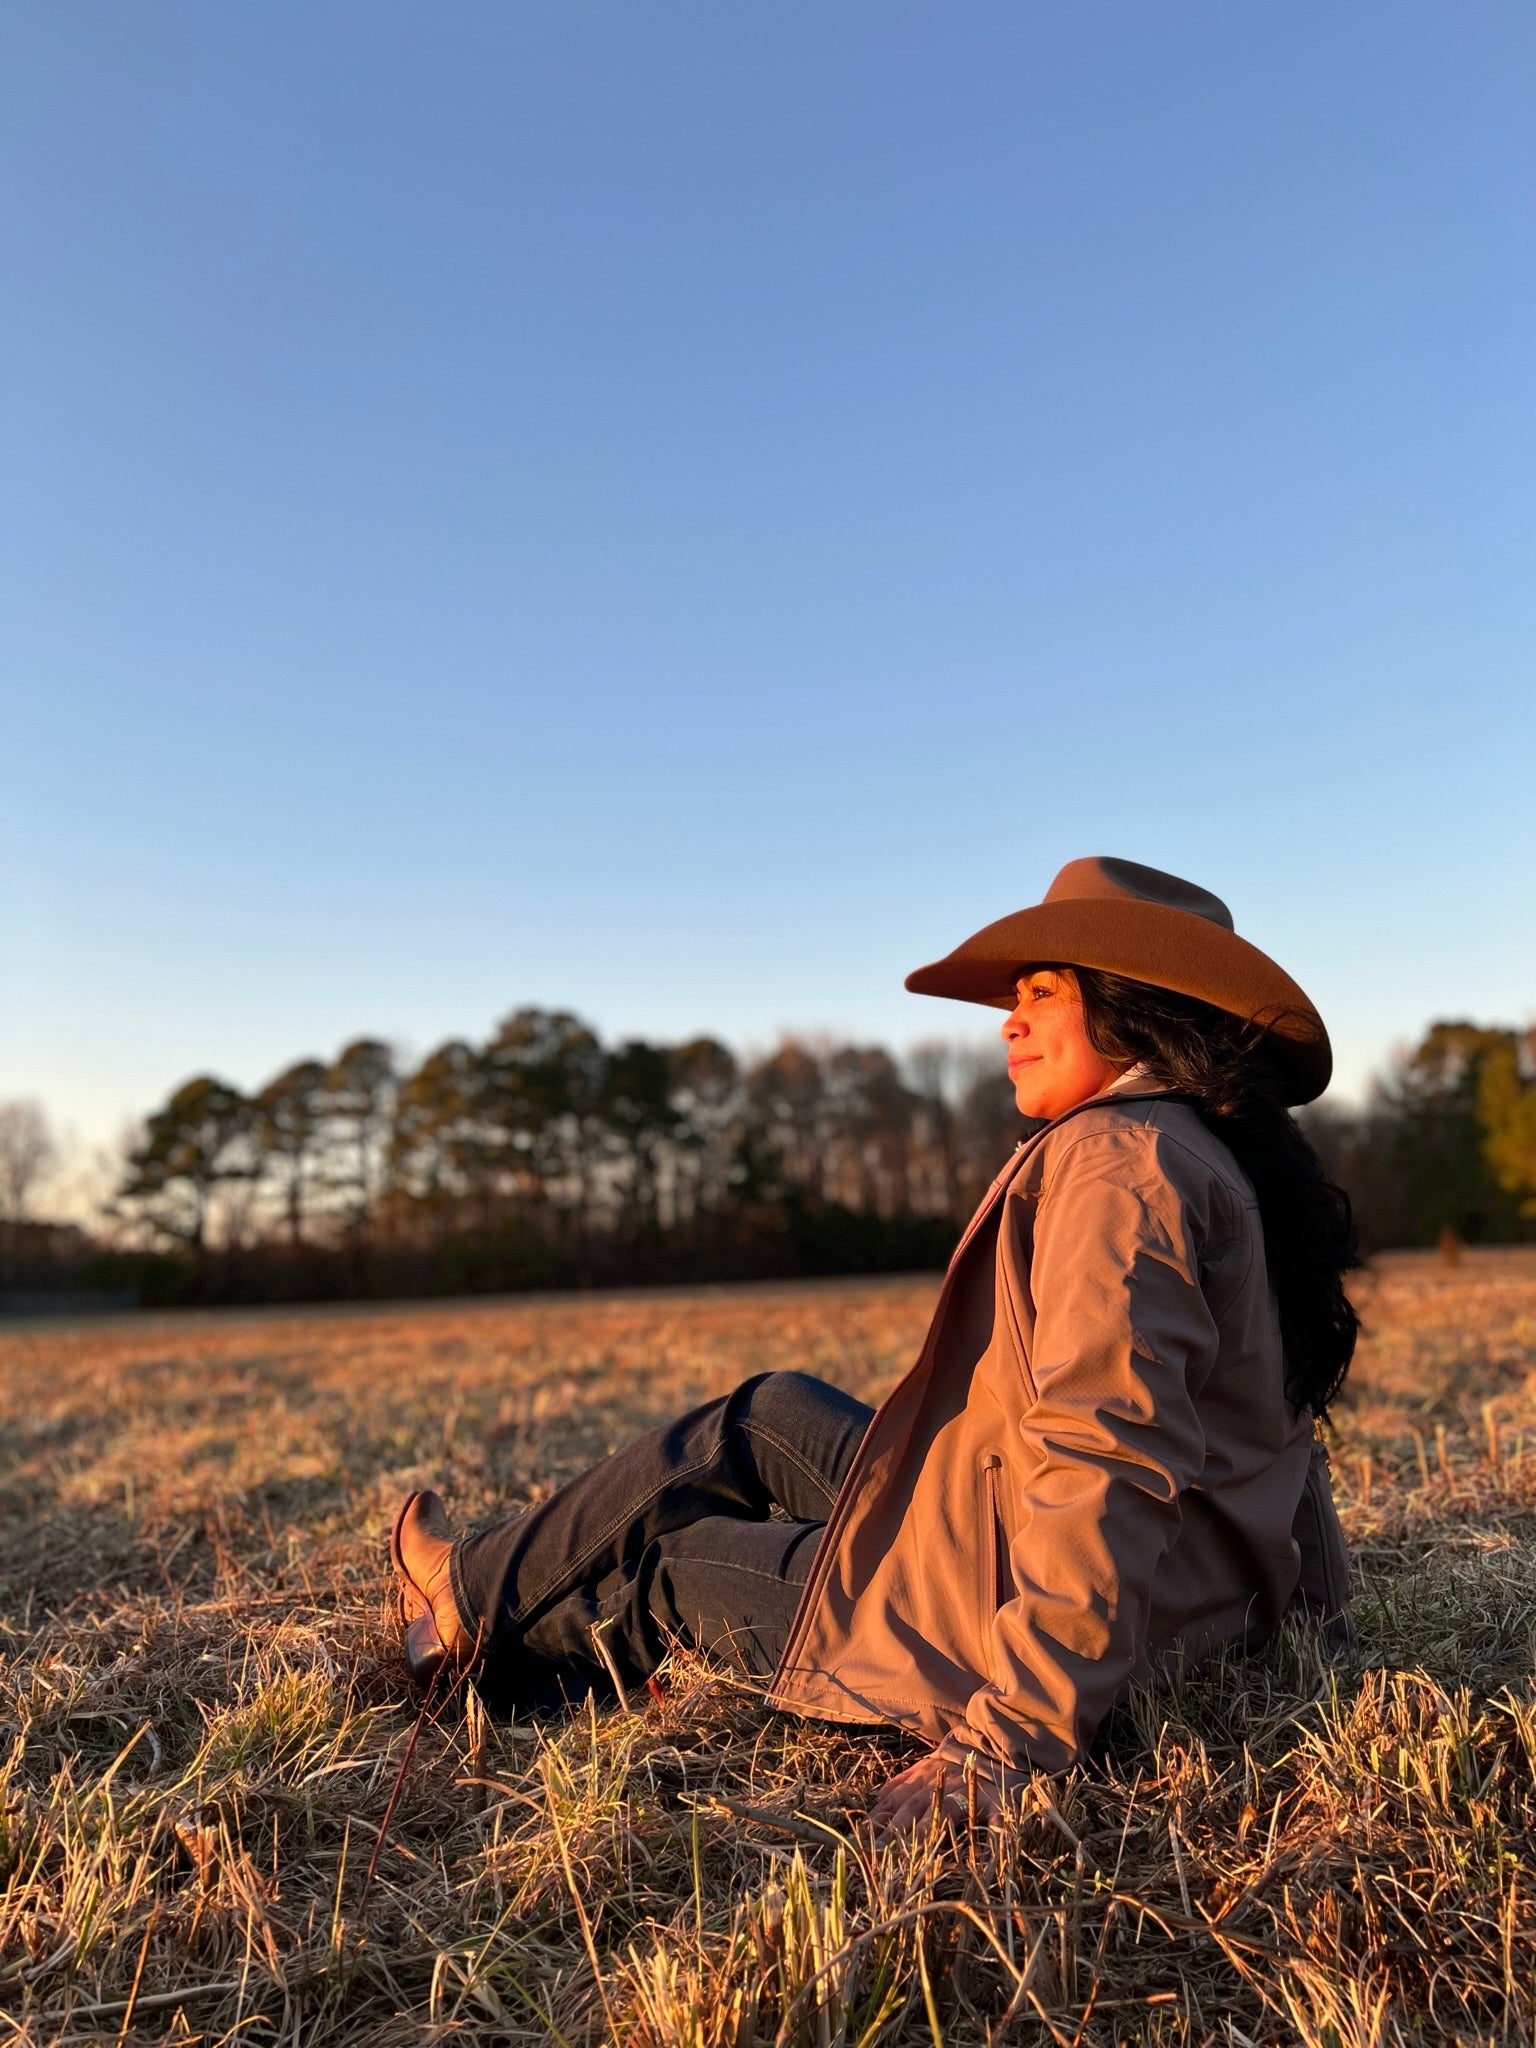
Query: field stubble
(203, 1725)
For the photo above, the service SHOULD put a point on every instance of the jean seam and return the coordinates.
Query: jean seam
(631, 1513)
(788, 1451)
(727, 1564)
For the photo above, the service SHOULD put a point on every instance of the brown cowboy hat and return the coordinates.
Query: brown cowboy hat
(1139, 922)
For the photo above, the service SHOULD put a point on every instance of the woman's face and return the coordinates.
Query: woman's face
(1051, 1062)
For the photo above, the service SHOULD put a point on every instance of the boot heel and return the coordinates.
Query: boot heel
(423, 1650)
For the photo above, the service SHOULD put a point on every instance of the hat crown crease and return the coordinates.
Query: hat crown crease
(1101, 878)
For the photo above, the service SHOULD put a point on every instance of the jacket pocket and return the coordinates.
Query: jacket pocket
(995, 1571)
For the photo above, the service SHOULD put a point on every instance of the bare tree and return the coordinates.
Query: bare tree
(27, 1154)
(358, 1103)
(193, 1146)
(288, 1118)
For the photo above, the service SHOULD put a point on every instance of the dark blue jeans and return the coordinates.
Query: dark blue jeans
(702, 1533)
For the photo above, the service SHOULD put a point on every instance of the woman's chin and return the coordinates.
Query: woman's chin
(1044, 1104)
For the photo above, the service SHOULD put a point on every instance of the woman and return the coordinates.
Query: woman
(1104, 1457)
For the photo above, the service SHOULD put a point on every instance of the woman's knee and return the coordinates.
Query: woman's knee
(804, 1434)
(799, 1393)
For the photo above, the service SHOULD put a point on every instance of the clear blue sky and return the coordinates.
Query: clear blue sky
(683, 511)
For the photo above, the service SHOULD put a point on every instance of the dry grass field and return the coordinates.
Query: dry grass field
(221, 1820)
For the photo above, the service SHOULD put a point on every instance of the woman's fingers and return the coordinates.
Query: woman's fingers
(906, 1802)
(903, 1816)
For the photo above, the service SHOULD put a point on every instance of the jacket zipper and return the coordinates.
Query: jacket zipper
(842, 1507)
(844, 1504)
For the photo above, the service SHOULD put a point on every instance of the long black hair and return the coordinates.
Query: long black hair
(1221, 1066)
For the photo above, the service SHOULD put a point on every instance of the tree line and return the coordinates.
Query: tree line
(543, 1157)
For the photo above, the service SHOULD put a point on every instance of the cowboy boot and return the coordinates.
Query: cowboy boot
(420, 1547)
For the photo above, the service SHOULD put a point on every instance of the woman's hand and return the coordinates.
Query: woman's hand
(906, 1802)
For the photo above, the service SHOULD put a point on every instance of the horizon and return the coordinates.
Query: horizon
(74, 1188)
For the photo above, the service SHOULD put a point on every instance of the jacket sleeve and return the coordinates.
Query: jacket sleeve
(1108, 1438)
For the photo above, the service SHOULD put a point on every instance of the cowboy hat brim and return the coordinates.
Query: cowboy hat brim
(1172, 949)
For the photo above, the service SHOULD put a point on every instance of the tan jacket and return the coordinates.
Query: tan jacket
(1092, 1464)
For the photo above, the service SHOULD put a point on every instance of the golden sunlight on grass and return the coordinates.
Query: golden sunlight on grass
(202, 1722)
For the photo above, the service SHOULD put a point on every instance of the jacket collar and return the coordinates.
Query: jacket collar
(1140, 1084)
